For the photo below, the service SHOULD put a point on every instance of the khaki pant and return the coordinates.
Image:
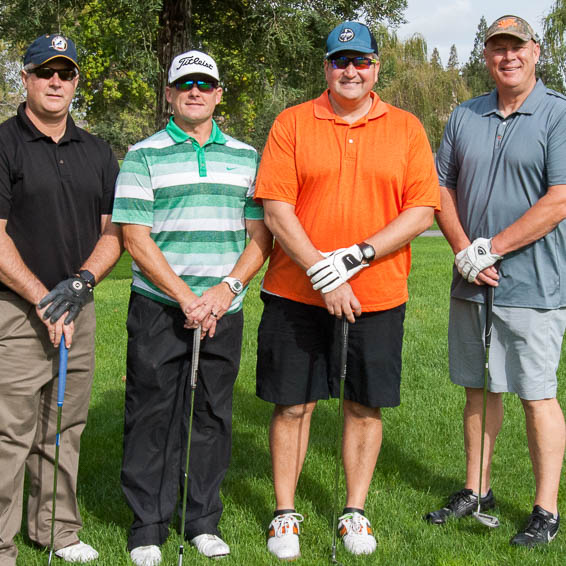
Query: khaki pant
(29, 365)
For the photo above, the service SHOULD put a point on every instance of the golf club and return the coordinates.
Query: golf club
(487, 520)
(63, 356)
(194, 371)
(339, 431)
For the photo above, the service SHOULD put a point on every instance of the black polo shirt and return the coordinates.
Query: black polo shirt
(53, 195)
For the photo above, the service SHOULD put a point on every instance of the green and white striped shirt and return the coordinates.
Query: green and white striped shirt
(195, 199)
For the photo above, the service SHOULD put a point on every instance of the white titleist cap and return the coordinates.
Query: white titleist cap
(193, 63)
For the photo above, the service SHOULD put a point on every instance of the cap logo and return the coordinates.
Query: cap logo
(59, 43)
(192, 60)
(507, 23)
(346, 35)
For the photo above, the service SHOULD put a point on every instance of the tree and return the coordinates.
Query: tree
(453, 64)
(475, 72)
(408, 80)
(269, 53)
(11, 89)
(435, 60)
(553, 54)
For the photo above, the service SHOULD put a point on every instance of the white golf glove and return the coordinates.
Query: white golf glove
(475, 258)
(336, 268)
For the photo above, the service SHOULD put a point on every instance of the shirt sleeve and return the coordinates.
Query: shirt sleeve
(277, 176)
(133, 202)
(5, 185)
(446, 166)
(421, 185)
(556, 150)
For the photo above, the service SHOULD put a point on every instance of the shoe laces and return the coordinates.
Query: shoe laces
(537, 523)
(284, 524)
(462, 495)
(354, 523)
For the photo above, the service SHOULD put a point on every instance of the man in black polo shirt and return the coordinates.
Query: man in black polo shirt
(56, 197)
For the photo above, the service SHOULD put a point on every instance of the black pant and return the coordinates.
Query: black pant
(158, 395)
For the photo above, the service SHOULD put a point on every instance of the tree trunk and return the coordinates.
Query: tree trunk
(174, 37)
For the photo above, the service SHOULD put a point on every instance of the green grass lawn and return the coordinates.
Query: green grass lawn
(422, 459)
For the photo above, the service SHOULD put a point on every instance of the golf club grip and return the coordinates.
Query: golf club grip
(344, 349)
(195, 358)
(488, 314)
(63, 357)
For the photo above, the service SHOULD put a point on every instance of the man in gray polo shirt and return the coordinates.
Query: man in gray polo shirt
(502, 171)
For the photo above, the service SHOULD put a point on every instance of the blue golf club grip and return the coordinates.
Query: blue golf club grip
(63, 355)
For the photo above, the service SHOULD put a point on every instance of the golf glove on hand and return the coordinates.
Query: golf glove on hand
(475, 258)
(336, 268)
(68, 295)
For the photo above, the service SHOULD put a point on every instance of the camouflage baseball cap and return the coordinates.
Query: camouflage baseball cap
(510, 25)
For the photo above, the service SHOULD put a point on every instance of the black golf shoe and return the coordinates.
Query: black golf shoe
(460, 504)
(541, 528)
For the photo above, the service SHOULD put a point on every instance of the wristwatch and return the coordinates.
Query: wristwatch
(236, 286)
(87, 277)
(367, 251)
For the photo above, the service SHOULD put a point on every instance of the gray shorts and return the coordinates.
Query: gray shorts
(524, 354)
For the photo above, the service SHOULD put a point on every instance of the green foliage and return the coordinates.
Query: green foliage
(475, 72)
(453, 63)
(435, 60)
(11, 89)
(552, 65)
(408, 80)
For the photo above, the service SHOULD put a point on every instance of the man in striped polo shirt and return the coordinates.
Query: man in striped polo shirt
(184, 198)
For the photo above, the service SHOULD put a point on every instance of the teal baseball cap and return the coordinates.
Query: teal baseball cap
(351, 36)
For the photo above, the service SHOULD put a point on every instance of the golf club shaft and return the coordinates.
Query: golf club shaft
(193, 376)
(62, 381)
(488, 325)
(339, 432)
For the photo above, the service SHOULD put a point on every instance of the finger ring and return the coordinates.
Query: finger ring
(212, 313)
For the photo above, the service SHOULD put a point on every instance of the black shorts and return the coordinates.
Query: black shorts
(298, 357)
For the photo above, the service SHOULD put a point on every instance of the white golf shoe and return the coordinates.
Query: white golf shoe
(283, 536)
(357, 534)
(80, 552)
(149, 555)
(211, 546)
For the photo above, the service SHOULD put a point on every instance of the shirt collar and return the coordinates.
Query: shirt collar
(324, 111)
(529, 106)
(180, 136)
(31, 133)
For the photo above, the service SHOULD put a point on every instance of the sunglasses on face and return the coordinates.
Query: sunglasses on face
(48, 72)
(203, 86)
(359, 62)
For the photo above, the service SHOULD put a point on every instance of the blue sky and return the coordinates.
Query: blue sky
(447, 22)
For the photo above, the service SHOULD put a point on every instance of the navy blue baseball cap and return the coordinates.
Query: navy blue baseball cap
(48, 47)
(350, 36)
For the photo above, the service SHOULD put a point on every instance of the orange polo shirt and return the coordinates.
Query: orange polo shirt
(346, 181)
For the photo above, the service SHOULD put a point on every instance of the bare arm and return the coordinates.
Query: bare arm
(449, 222)
(281, 219)
(107, 251)
(218, 299)
(15, 274)
(536, 223)
(150, 259)
(402, 230)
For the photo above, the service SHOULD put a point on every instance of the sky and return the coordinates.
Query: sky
(447, 22)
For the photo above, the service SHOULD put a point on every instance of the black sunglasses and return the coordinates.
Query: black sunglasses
(48, 72)
(203, 86)
(359, 62)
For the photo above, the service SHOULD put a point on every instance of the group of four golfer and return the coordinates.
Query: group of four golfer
(345, 182)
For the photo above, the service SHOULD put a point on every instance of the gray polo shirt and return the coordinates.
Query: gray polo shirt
(500, 167)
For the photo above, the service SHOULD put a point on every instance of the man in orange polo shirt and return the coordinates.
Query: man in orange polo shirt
(347, 181)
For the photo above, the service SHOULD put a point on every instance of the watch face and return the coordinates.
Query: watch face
(237, 286)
